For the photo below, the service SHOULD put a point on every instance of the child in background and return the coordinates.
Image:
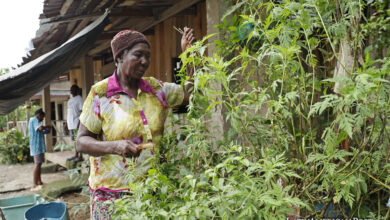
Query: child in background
(37, 145)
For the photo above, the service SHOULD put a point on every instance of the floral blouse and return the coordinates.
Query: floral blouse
(115, 115)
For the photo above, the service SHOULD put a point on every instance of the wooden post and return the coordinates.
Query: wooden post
(7, 119)
(87, 76)
(47, 121)
(28, 107)
(56, 111)
(57, 124)
(214, 12)
(16, 117)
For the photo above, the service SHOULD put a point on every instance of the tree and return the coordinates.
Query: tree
(4, 71)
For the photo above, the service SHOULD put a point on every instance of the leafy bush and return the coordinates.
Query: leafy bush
(14, 148)
(291, 146)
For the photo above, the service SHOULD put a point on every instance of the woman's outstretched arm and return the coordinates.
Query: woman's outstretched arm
(87, 143)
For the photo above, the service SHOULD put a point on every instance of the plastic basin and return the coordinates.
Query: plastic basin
(14, 208)
(332, 211)
(47, 211)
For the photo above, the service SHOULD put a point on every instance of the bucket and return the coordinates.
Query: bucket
(47, 211)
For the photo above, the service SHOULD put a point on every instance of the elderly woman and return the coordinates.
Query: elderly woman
(122, 120)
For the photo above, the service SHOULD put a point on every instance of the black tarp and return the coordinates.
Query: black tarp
(22, 83)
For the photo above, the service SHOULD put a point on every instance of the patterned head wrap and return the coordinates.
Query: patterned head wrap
(126, 39)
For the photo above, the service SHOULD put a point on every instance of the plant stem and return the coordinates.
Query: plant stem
(376, 180)
(315, 179)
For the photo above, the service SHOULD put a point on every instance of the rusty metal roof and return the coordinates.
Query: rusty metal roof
(62, 19)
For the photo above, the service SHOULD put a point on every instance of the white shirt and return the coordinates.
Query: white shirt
(75, 105)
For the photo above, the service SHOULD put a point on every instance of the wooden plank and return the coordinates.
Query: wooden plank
(79, 27)
(97, 68)
(59, 157)
(166, 52)
(115, 12)
(128, 3)
(131, 12)
(102, 4)
(104, 46)
(157, 56)
(151, 70)
(107, 70)
(174, 38)
(65, 7)
(203, 15)
(178, 7)
(198, 25)
(150, 22)
(70, 27)
(47, 121)
(84, 5)
(69, 18)
(87, 76)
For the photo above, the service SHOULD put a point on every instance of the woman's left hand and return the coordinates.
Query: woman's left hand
(187, 38)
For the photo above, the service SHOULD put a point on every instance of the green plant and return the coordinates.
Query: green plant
(19, 114)
(63, 147)
(14, 148)
(291, 145)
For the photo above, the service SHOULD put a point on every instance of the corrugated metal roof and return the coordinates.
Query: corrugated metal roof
(51, 35)
(53, 94)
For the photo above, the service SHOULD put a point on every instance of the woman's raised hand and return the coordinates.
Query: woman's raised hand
(187, 39)
(127, 148)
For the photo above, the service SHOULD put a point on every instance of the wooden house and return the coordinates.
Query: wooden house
(63, 19)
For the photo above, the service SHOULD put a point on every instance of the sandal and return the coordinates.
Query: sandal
(36, 188)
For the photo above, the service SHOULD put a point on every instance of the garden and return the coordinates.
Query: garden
(304, 93)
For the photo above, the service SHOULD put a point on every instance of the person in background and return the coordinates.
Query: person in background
(37, 145)
(75, 105)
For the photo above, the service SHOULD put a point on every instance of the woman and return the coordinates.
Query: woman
(120, 115)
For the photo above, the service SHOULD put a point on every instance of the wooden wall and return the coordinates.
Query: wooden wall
(75, 76)
(165, 42)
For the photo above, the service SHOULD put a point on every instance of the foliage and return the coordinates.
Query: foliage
(19, 114)
(290, 144)
(63, 147)
(4, 71)
(14, 148)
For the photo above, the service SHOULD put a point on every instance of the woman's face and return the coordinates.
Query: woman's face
(135, 61)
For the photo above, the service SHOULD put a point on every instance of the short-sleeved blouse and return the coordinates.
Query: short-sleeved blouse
(114, 115)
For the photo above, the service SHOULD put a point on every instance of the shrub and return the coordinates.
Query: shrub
(14, 148)
(291, 146)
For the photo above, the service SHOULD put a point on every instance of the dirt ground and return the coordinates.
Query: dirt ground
(16, 180)
(78, 205)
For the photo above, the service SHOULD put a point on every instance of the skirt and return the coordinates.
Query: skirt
(103, 203)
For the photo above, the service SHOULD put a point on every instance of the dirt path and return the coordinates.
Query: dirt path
(17, 179)
(78, 205)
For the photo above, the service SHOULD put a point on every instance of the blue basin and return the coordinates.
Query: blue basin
(15, 207)
(47, 211)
